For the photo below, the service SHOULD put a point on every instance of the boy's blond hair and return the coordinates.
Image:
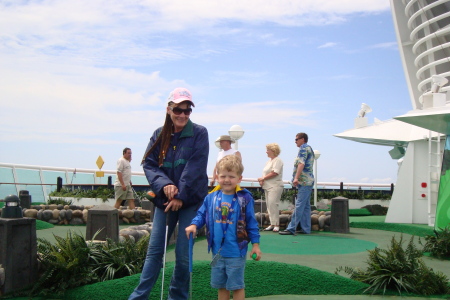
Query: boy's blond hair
(230, 163)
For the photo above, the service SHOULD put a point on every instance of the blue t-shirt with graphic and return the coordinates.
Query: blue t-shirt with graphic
(225, 219)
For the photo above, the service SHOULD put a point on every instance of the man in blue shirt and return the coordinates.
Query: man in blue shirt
(303, 178)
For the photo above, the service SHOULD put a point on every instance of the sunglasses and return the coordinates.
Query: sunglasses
(177, 111)
(297, 139)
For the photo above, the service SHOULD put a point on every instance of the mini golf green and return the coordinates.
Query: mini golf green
(312, 244)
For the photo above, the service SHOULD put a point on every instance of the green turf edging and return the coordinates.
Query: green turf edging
(43, 225)
(354, 212)
(359, 212)
(403, 228)
(261, 278)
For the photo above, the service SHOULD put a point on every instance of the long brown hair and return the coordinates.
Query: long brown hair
(163, 139)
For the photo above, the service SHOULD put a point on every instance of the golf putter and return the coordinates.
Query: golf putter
(191, 261)
(164, 257)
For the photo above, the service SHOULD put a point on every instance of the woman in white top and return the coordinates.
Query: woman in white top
(272, 183)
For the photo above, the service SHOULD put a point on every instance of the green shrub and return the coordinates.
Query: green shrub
(72, 261)
(66, 264)
(399, 269)
(102, 192)
(438, 244)
(58, 201)
(117, 260)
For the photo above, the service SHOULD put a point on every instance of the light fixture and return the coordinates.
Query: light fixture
(316, 157)
(361, 120)
(364, 109)
(12, 207)
(236, 132)
(397, 152)
(437, 82)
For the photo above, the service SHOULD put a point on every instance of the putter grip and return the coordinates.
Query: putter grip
(191, 246)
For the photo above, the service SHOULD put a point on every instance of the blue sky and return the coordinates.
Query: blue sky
(83, 78)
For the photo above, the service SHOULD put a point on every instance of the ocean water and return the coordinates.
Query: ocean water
(41, 183)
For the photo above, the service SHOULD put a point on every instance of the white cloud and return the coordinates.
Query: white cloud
(383, 180)
(338, 179)
(388, 45)
(66, 26)
(327, 45)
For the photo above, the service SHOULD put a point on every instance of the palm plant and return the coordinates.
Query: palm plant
(117, 260)
(399, 269)
(66, 264)
(439, 244)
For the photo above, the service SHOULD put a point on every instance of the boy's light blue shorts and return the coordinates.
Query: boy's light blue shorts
(228, 273)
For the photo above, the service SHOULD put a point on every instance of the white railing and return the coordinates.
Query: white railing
(252, 182)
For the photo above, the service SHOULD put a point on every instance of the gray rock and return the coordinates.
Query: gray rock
(47, 215)
(76, 221)
(322, 221)
(137, 215)
(68, 214)
(62, 214)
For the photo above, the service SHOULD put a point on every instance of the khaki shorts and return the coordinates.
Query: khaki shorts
(120, 194)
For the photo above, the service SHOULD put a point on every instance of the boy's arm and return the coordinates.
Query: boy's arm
(255, 249)
(199, 220)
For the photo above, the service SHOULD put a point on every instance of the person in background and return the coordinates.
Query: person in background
(122, 185)
(228, 213)
(303, 179)
(175, 166)
(272, 183)
(225, 146)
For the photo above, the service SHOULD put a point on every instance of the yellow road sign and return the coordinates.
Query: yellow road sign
(100, 163)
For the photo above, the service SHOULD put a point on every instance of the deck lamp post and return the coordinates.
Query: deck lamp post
(236, 132)
(12, 207)
(316, 157)
(18, 248)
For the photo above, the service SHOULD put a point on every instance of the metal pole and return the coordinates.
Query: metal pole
(315, 184)
(191, 261)
(164, 257)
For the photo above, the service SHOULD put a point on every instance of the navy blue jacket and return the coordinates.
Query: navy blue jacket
(184, 166)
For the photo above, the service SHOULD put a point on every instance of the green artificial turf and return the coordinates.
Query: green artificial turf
(262, 279)
(313, 244)
(359, 212)
(354, 211)
(421, 231)
(43, 225)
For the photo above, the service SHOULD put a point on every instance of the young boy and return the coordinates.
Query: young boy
(229, 216)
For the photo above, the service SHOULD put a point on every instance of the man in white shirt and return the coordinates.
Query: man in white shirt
(225, 144)
(122, 185)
